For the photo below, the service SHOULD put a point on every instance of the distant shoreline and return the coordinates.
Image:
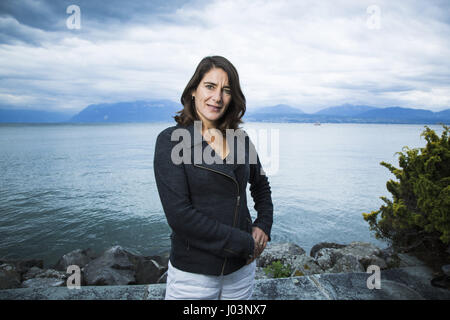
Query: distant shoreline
(164, 110)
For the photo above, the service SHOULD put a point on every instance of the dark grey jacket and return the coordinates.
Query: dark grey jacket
(206, 204)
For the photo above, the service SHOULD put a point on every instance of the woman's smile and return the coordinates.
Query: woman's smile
(214, 108)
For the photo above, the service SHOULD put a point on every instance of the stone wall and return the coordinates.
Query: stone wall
(118, 266)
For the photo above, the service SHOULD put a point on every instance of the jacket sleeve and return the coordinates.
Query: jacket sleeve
(261, 194)
(184, 219)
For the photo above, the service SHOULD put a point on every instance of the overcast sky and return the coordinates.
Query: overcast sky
(308, 54)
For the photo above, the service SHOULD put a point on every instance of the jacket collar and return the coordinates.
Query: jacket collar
(198, 144)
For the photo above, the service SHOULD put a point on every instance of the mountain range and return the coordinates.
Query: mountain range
(350, 114)
(135, 111)
(163, 111)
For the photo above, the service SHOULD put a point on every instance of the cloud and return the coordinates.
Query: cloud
(13, 32)
(308, 54)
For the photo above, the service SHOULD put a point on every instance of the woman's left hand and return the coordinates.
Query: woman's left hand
(260, 240)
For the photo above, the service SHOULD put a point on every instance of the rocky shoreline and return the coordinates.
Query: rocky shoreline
(118, 266)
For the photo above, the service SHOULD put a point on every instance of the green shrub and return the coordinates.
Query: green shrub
(420, 210)
(278, 270)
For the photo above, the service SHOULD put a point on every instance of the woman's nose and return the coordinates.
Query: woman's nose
(217, 96)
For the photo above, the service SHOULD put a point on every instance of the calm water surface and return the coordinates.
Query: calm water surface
(70, 186)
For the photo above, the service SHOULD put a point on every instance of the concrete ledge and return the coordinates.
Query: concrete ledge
(411, 283)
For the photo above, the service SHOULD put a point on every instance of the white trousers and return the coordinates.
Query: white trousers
(182, 285)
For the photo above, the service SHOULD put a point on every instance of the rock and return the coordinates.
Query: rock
(387, 252)
(396, 259)
(288, 254)
(278, 252)
(374, 261)
(446, 269)
(43, 283)
(117, 266)
(407, 260)
(114, 267)
(149, 271)
(326, 257)
(39, 278)
(347, 263)
(162, 260)
(390, 256)
(77, 257)
(322, 245)
(303, 265)
(32, 273)
(260, 273)
(162, 278)
(36, 272)
(355, 257)
(366, 253)
(22, 266)
(9, 276)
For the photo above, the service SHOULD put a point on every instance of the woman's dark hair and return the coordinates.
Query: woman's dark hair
(236, 109)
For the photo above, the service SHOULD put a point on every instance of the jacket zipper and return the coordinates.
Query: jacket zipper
(237, 201)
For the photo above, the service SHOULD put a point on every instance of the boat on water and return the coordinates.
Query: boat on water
(317, 123)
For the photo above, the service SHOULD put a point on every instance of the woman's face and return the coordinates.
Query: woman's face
(212, 96)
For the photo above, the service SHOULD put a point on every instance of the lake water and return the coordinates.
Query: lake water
(69, 186)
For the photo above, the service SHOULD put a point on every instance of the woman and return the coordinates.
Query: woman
(214, 241)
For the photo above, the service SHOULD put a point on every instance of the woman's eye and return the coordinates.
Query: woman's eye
(209, 86)
(227, 91)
